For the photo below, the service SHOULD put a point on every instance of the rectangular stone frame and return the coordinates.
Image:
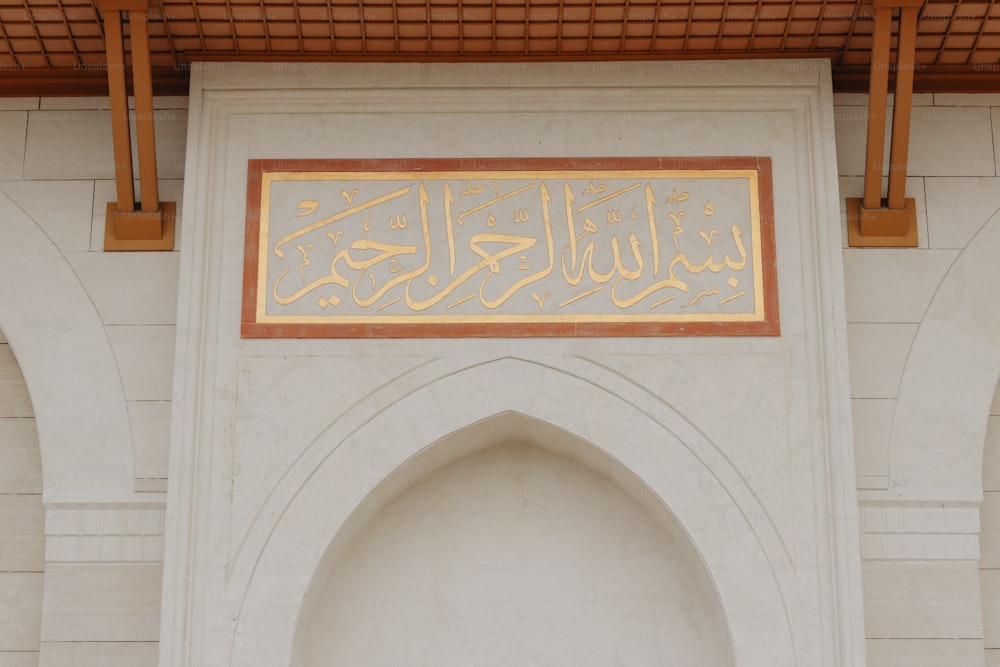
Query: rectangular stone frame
(768, 326)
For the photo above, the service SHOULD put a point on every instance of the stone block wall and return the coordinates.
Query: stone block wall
(80, 581)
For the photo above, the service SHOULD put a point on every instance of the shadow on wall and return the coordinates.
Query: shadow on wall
(512, 542)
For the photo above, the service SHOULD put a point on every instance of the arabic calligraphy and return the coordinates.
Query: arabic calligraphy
(557, 246)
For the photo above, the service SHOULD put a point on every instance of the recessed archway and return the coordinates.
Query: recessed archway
(532, 548)
(315, 507)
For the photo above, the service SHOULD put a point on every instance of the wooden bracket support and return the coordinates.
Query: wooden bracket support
(890, 222)
(152, 226)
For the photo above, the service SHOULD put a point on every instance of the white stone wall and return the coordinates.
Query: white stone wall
(22, 541)
(921, 539)
(94, 334)
(924, 343)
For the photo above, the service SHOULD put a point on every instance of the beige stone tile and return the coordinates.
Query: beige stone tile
(924, 652)
(877, 356)
(967, 99)
(995, 115)
(957, 208)
(20, 610)
(20, 458)
(850, 99)
(68, 144)
(18, 103)
(68, 103)
(130, 288)
(61, 209)
(150, 437)
(14, 398)
(991, 455)
(22, 533)
(18, 658)
(102, 602)
(851, 127)
(145, 356)
(76, 144)
(861, 99)
(3, 339)
(922, 600)
(75, 103)
(886, 285)
(98, 654)
(995, 408)
(944, 141)
(951, 141)
(991, 607)
(872, 424)
(989, 537)
(993, 657)
(13, 125)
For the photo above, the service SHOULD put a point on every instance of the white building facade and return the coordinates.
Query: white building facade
(175, 494)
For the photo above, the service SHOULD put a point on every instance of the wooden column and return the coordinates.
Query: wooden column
(871, 220)
(152, 226)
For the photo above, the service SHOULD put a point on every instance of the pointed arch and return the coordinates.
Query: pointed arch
(664, 453)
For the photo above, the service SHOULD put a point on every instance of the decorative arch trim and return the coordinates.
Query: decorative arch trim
(72, 376)
(721, 530)
(939, 424)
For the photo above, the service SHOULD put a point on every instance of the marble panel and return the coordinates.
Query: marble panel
(18, 658)
(991, 607)
(74, 144)
(20, 610)
(145, 356)
(925, 652)
(150, 436)
(886, 285)
(872, 419)
(13, 125)
(989, 538)
(957, 208)
(97, 602)
(18, 103)
(922, 600)
(97, 654)
(61, 209)
(995, 115)
(967, 99)
(944, 141)
(878, 353)
(22, 520)
(70, 103)
(991, 454)
(14, 398)
(130, 288)
(951, 141)
(20, 458)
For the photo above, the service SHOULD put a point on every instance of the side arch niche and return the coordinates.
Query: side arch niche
(699, 511)
(62, 347)
(532, 548)
(949, 380)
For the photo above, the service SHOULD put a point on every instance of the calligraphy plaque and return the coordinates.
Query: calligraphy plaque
(507, 247)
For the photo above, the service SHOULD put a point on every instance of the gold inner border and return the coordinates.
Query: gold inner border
(264, 242)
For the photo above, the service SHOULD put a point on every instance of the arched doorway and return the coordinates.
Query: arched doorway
(531, 548)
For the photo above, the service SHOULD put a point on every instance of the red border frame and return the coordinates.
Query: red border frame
(770, 326)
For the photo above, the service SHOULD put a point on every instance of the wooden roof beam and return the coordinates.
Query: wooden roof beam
(871, 220)
(152, 226)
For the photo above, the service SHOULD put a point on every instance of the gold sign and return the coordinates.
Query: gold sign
(542, 247)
